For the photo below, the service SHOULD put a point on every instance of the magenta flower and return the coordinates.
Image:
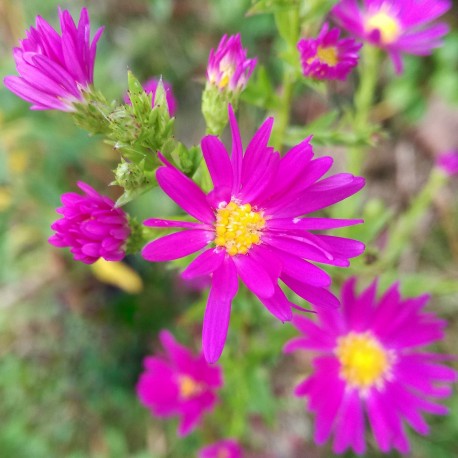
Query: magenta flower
(251, 220)
(150, 87)
(397, 26)
(227, 448)
(372, 364)
(54, 71)
(180, 384)
(228, 66)
(327, 57)
(91, 226)
(448, 163)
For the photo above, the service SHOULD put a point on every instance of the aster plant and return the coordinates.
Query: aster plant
(328, 57)
(373, 362)
(396, 26)
(179, 384)
(250, 224)
(253, 221)
(55, 71)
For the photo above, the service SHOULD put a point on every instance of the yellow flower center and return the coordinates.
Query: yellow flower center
(188, 387)
(387, 25)
(238, 227)
(327, 55)
(364, 362)
(227, 69)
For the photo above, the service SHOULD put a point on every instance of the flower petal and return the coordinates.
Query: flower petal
(177, 245)
(205, 264)
(217, 313)
(185, 193)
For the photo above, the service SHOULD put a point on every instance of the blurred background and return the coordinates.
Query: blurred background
(72, 338)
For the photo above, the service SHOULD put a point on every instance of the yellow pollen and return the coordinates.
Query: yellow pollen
(327, 55)
(238, 227)
(188, 387)
(364, 362)
(387, 25)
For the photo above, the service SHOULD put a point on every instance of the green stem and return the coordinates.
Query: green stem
(282, 117)
(364, 99)
(401, 233)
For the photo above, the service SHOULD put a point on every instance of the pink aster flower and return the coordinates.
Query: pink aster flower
(228, 66)
(372, 364)
(179, 384)
(150, 87)
(91, 226)
(227, 448)
(448, 163)
(251, 227)
(327, 57)
(55, 70)
(397, 26)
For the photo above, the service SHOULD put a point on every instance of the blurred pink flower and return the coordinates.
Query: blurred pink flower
(227, 448)
(372, 364)
(397, 26)
(179, 384)
(327, 57)
(150, 87)
(228, 66)
(448, 163)
(252, 222)
(54, 70)
(91, 226)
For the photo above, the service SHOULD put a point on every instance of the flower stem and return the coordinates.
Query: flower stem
(364, 99)
(401, 232)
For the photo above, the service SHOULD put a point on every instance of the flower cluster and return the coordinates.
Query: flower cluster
(91, 226)
(228, 66)
(328, 57)
(398, 26)
(256, 224)
(372, 363)
(180, 384)
(55, 70)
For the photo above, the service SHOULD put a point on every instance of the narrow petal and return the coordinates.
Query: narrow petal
(205, 264)
(237, 151)
(185, 193)
(254, 275)
(278, 305)
(217, 313)
(154, 222)
(218, 162)
(319, 297)
(178, 245)
(303, 270)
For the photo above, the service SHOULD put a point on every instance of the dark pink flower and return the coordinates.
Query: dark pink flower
(150, 87)
(54, 70)
(91, 226)
(397, 26)
(327, 57)
(252, 222)
(179, 384)
(228, 66)
(448, 163)
(227, 448)
(372, 364)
